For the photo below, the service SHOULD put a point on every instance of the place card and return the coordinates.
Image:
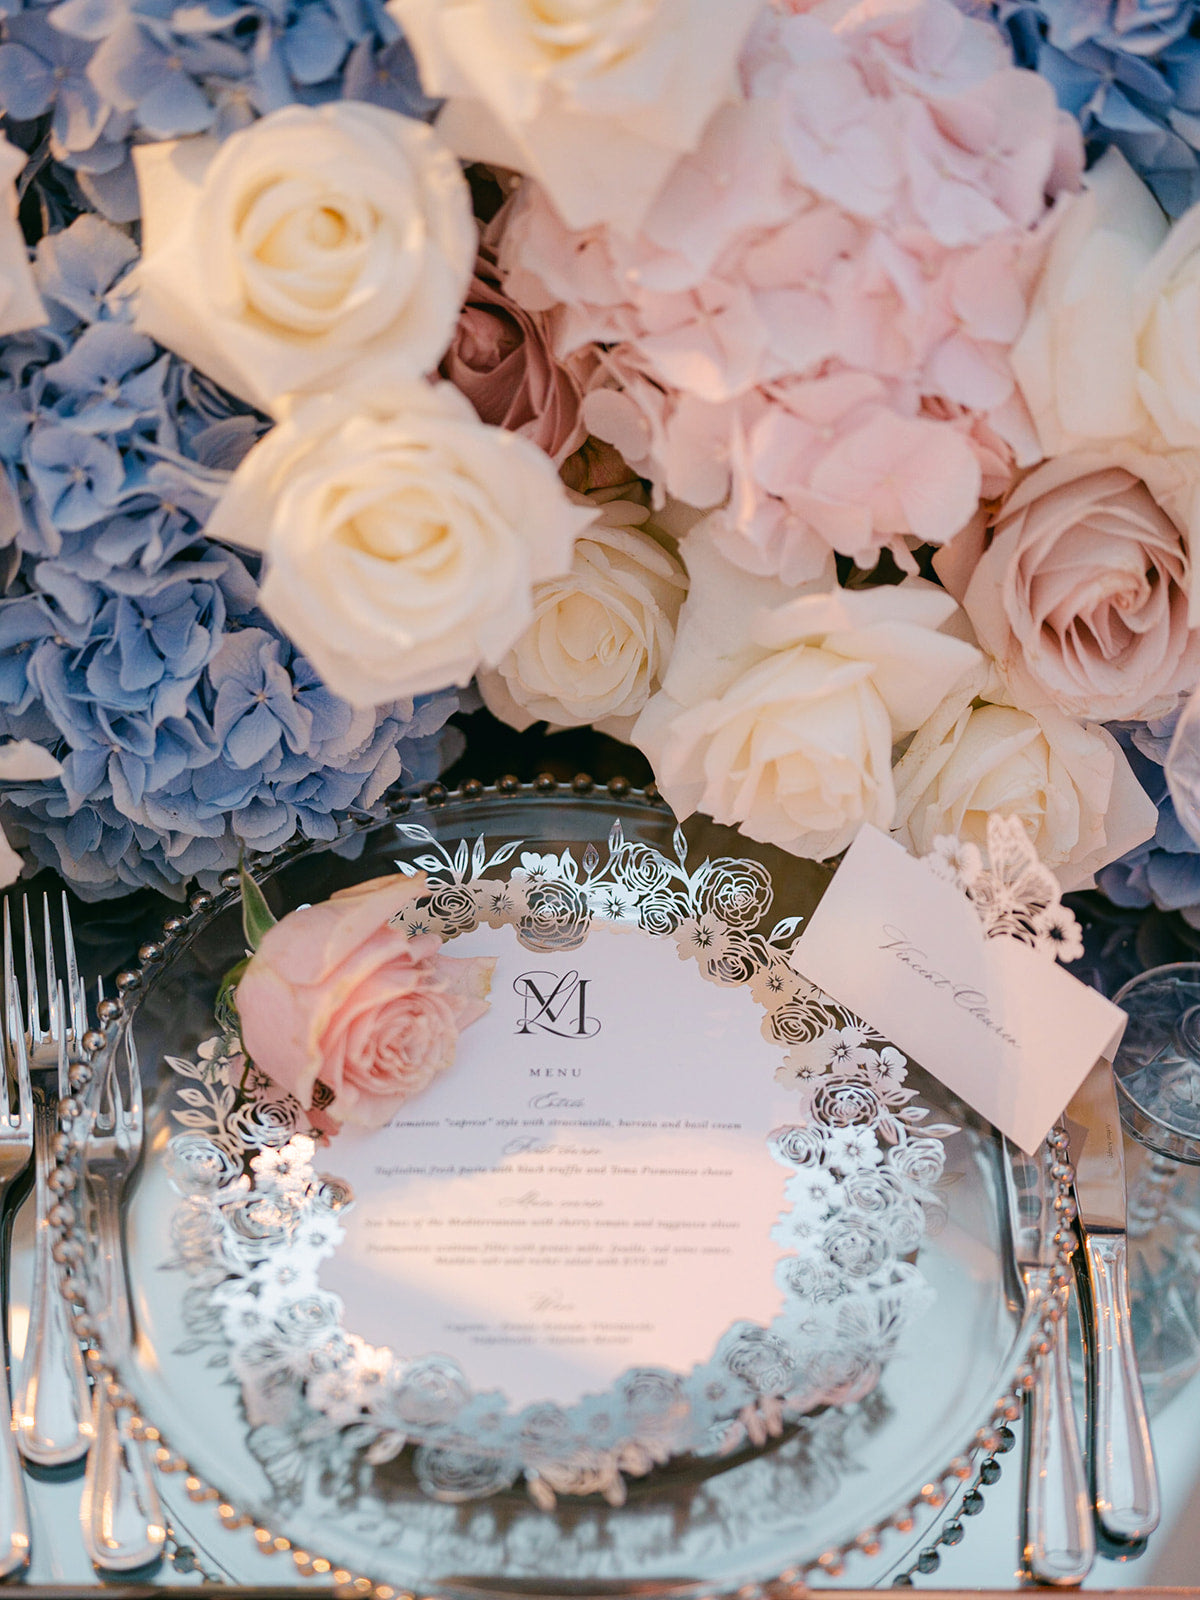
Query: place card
(1002, 1025)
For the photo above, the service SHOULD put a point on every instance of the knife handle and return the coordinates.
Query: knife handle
(1126, 1483)
(1060, 1541)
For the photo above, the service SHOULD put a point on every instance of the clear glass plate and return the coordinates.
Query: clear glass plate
(689, 1527)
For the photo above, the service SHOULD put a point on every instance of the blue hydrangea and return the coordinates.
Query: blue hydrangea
(100, 429)
(172, 786)
(1129, 71)
(89, 77)
(1165, 871)
(130, 644)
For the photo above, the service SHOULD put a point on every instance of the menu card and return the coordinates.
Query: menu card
(587, 1188)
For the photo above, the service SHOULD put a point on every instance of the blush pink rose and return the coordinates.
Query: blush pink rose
(500, 359)
(1082, 585)
(336, 994)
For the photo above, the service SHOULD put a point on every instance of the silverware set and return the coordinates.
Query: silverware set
(56, 1417)
(1065, 1503)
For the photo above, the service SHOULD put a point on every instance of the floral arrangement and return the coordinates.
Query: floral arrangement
(807, 393)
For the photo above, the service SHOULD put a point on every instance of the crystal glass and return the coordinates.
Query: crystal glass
(1158, 1064)
(1158, 1085)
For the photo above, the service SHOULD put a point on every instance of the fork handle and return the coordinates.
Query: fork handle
(1126, 1482)
(14, 1502)
(120, 1513)
(1060, 1542)
(53, 1407)
(14, 1506)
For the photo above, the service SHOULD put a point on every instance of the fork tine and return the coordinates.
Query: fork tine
(10, 990)
(76, 993)
(61, 1041)
(33, 1000)
(24, 1090)
(54, 997)
(14, 1032)
(133, 1106)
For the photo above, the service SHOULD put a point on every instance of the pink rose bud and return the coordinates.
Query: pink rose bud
(335, 993)
(500, 358)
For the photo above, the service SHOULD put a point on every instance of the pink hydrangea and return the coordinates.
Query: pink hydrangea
(816, 316)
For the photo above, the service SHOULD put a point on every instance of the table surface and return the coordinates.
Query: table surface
(201, 1551)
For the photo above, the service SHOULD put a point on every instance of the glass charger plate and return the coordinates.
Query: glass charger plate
(750, 1489)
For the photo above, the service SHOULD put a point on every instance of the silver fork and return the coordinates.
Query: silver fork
(52, 1411)
(121, 1514)
(16, 1147)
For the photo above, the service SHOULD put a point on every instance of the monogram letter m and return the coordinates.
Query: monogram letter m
(556, 1005)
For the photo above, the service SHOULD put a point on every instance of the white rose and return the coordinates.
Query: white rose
(1069, 783)
(21, 761)
(1111, 350)
(781, 718)
(20, 304)
(601, 634)
(402, 535)
(596, 99)
(314, 243)
(1077, 358)
(1166, 309)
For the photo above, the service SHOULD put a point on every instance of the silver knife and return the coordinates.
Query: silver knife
(1123, 1471)
(1058, 1538)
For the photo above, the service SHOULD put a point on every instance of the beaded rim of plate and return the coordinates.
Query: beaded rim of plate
(69, 1251)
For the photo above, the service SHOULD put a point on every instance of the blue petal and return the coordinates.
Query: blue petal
(89, 19)
(1174, 880)
(79, 116)
(314, 45)
(174, 106)
(78, 266)
(102, 354)
(252, 738)
(27, 85)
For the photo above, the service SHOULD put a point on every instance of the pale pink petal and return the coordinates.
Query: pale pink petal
(914, 476)
(970, 373)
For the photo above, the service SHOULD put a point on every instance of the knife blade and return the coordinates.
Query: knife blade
(1124, 1477)
(1058, 1540)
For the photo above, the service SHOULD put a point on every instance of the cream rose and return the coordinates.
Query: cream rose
(1112, 347)
(20, 304)
(1076, 360)
(1084, 588)
(314, 243)
(402, 535)
(21, 761)
(596, 99)
(781, 718)
(1070, 784)
(601, 635)
(1166, 311)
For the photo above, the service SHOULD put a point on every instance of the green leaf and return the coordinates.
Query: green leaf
(257, 915)
(225, 1010)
